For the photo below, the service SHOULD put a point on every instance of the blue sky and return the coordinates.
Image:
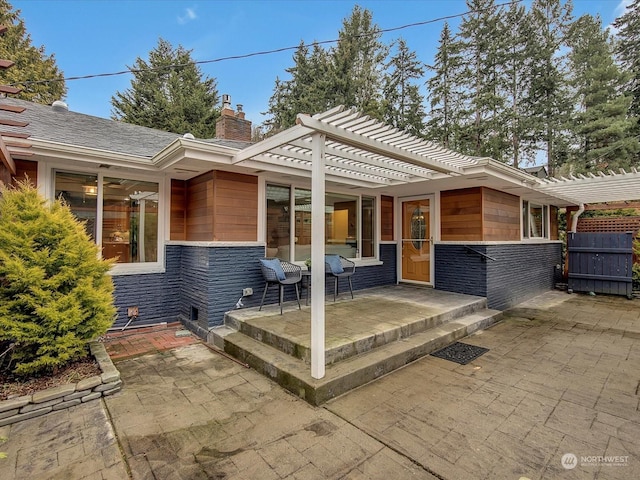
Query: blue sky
(99, 36)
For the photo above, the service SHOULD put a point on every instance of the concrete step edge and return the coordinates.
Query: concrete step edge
(294, 374)
(360, 345)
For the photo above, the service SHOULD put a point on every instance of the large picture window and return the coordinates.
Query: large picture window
(128, 209)
(349, 224)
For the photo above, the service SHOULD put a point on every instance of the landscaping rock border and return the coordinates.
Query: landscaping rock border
(64, 396)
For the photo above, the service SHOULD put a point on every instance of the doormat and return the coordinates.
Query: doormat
(461, 353)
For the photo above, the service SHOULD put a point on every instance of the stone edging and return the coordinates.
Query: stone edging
(64, 396)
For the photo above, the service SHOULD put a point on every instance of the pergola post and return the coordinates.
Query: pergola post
(317, 254)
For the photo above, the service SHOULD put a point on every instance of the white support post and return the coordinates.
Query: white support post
(317, 254)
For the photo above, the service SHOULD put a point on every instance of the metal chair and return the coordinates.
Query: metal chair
(348, 269)
(287, 274)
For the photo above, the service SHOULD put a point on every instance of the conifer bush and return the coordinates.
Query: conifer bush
(55, 294)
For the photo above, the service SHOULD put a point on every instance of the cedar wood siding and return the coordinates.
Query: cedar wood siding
(501, 215)
(26, 168)
(461, 214)
(220, 206)
(479, 214)
(553, 217)
(386, 218)
(178, 224)
(235, 207)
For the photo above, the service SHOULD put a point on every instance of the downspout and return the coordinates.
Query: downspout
(575, 217)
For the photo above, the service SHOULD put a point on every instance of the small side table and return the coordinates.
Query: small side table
(306, 283)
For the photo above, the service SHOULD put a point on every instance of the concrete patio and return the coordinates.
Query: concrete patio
(379, 330)
(560, 379)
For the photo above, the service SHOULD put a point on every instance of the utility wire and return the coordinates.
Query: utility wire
(261, 53)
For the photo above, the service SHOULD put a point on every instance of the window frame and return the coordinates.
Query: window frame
(527, 220)
(120, 268)
(359, 229)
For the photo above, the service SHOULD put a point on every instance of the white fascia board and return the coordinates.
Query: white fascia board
(277, 140)
(367, 144)
(183, 148)
(62, 151)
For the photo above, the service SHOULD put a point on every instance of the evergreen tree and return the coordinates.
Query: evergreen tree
(169, 93)
(358, 61)
(628, 49)
(30, 63)
(307, 91)
(403, 103)
(350, 74)
(480, 40)
(445, 91)
(55, 294)
(603, 130)
(515, 84)
(548, 99)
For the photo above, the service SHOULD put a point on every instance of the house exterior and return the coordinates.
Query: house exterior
(188, 218)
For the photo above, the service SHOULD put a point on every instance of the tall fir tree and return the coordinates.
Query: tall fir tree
(307, 91)
(480, 38)
(628, 49)
(358, 61)
(603, 131)
(548, 100)
(515, 84)
(31, 63)
(169, 93)
(445, 91)
(403, 104)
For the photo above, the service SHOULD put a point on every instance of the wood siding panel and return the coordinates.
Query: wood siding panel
(501, 215)
(26, 168)
(386, 218)
(461, 214)
(553, 220)
(178, 223)
(235, 208)
(199, 211)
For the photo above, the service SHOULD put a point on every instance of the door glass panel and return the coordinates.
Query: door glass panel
(418, 228)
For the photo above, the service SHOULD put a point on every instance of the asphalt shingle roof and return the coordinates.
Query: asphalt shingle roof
(72, 128)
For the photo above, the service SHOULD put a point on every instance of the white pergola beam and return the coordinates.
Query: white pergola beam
(277, 140)
(362, 141)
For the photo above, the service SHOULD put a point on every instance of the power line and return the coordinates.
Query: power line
(256, 54)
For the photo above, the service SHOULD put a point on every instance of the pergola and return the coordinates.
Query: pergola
(345, 147)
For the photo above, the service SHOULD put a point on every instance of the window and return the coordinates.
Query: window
(349, 224)
(534, 220)
(128, 209)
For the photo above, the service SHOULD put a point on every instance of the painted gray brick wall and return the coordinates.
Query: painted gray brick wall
(519, 272)
(155, 294)
(202, 283)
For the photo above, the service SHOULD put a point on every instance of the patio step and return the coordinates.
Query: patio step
(294, 373)
(346, 346)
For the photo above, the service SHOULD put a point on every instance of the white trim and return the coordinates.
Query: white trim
(214, 244)
(497, 242)
(120, 269)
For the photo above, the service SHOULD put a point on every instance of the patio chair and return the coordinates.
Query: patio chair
(339, 267)
(281, 273)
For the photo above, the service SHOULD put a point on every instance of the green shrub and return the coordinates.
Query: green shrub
(55, 294)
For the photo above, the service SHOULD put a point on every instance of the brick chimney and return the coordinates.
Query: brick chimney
(232, 125)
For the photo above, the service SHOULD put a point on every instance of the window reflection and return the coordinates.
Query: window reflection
(130, 220)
